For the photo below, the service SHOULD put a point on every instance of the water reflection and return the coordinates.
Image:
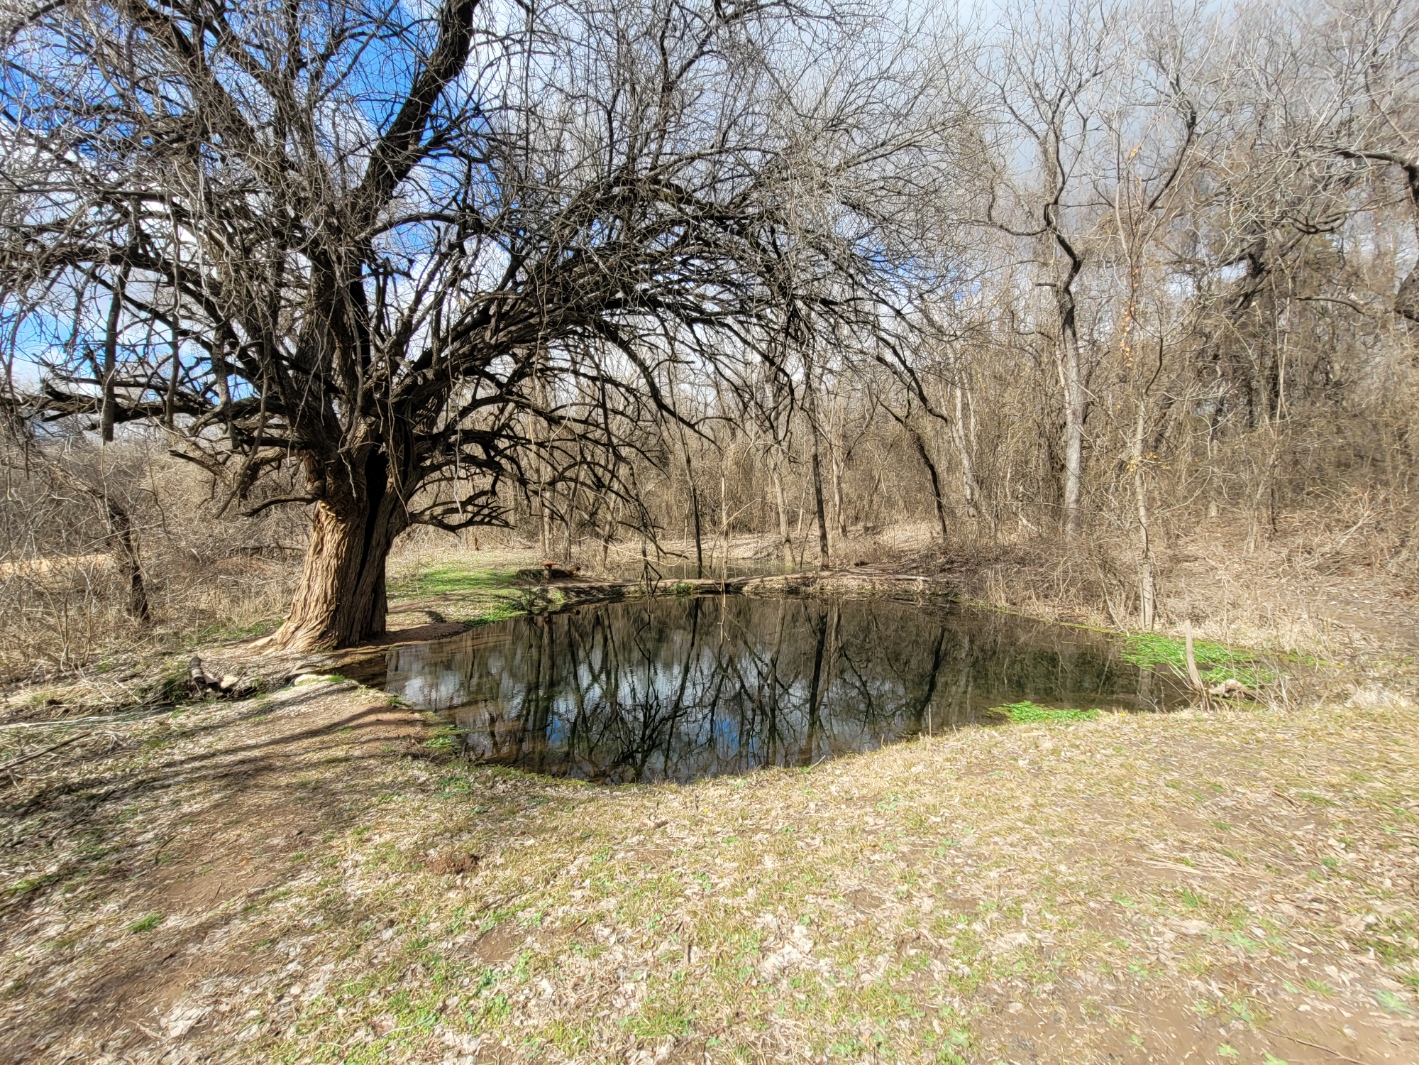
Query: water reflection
(677, 689)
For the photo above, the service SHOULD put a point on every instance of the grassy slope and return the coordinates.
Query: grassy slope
(1129, 886)
(478, 588)
(287, 881)
(1223, 870)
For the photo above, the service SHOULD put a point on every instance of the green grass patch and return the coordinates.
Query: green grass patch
(1028, 713)
(31, 883)
(445, 738)
(1215, 662)
(504, 611)
(451, 579)
(145, 924)
(1392, 1003)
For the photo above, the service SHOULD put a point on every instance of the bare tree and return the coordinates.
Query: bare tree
(1048, 73)
(429, 257)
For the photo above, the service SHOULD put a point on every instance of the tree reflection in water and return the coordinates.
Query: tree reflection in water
(677, 689)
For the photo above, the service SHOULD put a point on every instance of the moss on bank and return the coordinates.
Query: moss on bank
(1028, 713)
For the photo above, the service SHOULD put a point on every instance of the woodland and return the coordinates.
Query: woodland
(709, 531)
(286, 286)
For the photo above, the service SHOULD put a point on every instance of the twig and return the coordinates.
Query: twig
(20, 761)
(107, 719)
(1308, 1043)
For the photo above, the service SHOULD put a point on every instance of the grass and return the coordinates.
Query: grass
(1027, 713)
(927, 902)
(844, 933)
(1216, 662)
(476, 588)
(451, 578)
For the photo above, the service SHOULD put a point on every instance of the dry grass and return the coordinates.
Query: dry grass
(1291, 594)
(295, 879)
(309, 876)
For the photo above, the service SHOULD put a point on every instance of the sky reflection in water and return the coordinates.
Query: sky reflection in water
(678, 689)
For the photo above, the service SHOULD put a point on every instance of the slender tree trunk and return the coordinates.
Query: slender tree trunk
(824, 560)
(781, 499)
(694, 509)
(1406, 300)
(723, 523)
(970, 486)
(919, 442)
(925, 453)
(1072, 383)
(1071, 375)
(839, 513)
(125, 552)
(121, 540)
(545, 518)
(341, 600)
(699, 534)
(544, 512)
(110, 356)
(1147, 588)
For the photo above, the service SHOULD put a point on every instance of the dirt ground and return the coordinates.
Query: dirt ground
(310, 876)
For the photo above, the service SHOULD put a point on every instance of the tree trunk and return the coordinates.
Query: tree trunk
(924, 453)
(125, 554)
(921, 449)
(824, 561)
(1147, 586)
(1071, 380)
(839, 512)
(1406, 300)
(723, 523)
(969, 485)
(108, 402)
(340, 600)
(694, 510)
(781, 499)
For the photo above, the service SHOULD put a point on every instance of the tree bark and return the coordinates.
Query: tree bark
(922, 450)
(125, 553)
(108, 409)
(1147, 585)
(1406, 300)
(694, 508)
(340, 600)
(969, 484)
(1071, 380)
(824, 559)
(781, 500)
(839, 512)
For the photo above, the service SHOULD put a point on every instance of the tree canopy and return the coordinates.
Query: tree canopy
(404, 247)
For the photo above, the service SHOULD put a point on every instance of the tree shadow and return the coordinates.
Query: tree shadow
(193, 830)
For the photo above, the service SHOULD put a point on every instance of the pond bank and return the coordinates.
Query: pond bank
(305, 875)
(308, 875)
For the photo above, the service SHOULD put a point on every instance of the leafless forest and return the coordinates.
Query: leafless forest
(1067, 285)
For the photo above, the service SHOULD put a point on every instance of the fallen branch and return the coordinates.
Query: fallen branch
(30, 757)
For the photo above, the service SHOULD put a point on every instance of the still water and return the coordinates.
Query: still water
(683, 688)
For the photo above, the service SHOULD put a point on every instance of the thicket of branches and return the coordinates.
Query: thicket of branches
(1186, 266)
(1088, 272)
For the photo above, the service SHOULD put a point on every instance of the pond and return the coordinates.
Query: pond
(684, 688)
